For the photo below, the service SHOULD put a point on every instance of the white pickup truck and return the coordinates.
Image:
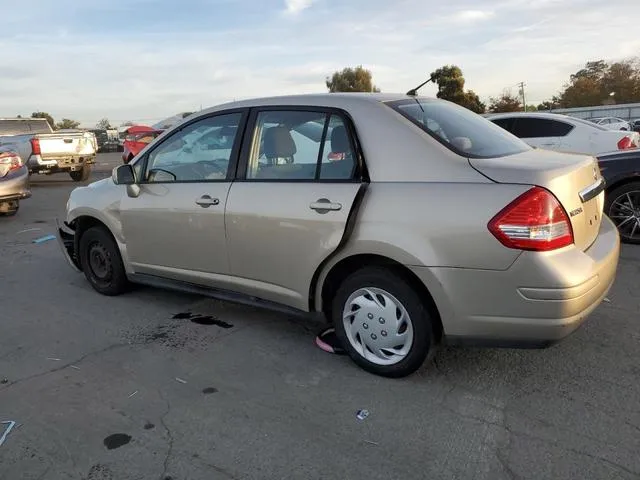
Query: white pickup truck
(46, 151)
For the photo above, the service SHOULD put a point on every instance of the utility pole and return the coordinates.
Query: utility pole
(524, 101)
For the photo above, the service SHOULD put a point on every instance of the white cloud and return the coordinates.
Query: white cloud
(294, 7)
(469, 16)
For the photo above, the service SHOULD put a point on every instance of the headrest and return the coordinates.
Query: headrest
(340, 140)
(278, 143)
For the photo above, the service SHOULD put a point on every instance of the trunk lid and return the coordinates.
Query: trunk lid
(575, 180)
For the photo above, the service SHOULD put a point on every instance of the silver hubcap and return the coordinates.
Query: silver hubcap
(378, 326)
(625, 213)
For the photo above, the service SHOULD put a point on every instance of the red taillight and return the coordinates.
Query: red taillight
(35, 146)
(533, 221)
(625, 143)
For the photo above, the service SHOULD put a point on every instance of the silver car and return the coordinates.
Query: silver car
(14, 182)
(406, 221)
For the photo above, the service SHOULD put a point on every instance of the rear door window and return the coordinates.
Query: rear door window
(458, 128)
(540, 128)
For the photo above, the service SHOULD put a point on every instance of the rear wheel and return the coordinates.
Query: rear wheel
(101, 262)
(382, 322)
(623, 208)
(9, 209)
(81, 175)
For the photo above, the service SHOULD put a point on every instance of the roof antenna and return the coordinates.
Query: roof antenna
(414, 91)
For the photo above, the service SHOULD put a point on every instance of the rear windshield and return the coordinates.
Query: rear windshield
(459, 129)
(19, 126)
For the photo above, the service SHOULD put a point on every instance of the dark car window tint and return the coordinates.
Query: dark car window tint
(458, 128)
(540, 127)
(506, 123)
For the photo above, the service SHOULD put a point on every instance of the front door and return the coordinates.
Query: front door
(301, 177)
(175, 228)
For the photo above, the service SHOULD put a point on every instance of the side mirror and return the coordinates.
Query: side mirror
(123, 175)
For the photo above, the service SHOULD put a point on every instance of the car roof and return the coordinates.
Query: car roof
(337, 100)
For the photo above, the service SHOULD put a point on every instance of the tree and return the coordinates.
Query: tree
(351, 80)
(549, 104)
(532, 108)
(451, 87)
(104, 124)
(46, 116)
(67, 124)
(506, 102)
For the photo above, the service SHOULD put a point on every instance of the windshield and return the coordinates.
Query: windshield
(459, 129)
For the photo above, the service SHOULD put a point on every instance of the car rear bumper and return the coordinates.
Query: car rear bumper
(55, 164)
(15, 186)
(539, 300)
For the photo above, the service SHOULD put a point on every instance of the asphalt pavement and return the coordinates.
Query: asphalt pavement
(117, 388)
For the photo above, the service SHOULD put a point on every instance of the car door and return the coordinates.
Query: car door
(175, 227)
(299, 176)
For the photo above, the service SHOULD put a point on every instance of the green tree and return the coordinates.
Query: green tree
(506, 102)
(357, 79)
(67, 123)
(104, 124)
(46, 116)
(532, 108)
(451, 87)
(549, 104)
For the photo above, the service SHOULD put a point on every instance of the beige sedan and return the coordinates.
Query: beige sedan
(406, 221)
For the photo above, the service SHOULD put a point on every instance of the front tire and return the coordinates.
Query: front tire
(622, 206)
(101, 262)
(382, 322)
(81, 175)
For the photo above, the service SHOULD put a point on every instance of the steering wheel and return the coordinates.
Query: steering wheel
(206, 168)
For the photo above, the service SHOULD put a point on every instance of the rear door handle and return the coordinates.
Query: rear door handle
(206, 201)
(324, 205)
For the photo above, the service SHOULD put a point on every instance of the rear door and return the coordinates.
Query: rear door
(542, 132)
(299, 177)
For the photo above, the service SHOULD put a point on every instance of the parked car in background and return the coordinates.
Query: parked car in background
(469, 235)
(137, 138)
(621, 170)
(635, 124)
(611, 123)
(553, 131)
(102, 138)
(46, 151)
(14, 182)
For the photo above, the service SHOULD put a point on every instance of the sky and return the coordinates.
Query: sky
(144, 60)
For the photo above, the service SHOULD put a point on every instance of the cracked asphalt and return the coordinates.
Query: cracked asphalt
(116, 388)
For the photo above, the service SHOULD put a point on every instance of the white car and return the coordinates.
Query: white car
(611, 123)
(554, 131)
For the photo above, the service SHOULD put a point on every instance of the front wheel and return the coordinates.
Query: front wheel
(101, 262)
(81, 175)
(382, 322)
(623, 208)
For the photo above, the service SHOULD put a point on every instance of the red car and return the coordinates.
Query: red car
(137, 138)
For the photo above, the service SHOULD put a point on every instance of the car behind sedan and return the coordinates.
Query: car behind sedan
(14, 182)
(621, 170)
(553, 131)
(405, 221)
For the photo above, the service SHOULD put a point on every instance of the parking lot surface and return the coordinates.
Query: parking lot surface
(117, 388)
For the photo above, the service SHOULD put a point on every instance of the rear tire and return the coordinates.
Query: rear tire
(101, 262)
(81, 175)
(622, 206)
(9, 209)
(382, 322)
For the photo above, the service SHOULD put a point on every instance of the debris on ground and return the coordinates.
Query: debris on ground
(28, 230)
(116, 440)
(362, 414)
(328, 342)
(133, 394)
(54, 359)
(180, 380)
(10, 424)
(74, 367)
(371, 443)
(46, 238)
(607, 299)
